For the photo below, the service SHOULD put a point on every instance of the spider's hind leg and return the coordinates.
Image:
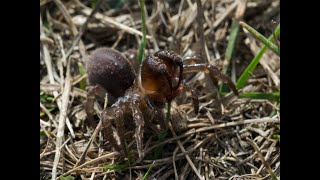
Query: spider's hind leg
(93, 91)
(116, 111)
(108, 132)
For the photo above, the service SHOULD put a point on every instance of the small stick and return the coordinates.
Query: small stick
(84, 27)
(90, 162)
(186, 155)
(62, 120)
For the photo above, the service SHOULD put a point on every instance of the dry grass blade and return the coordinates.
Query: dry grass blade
(222, 125)
(222, 17)
(62, 120)
(186, 155)
(48, 88)
(113, 23)
(84, 27)
(67, 17)
(248, 121)
(174, 157)
(84, 154)
(265, 163)
(106, 156)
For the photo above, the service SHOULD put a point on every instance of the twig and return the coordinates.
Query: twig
(157, 172)
(84, 27)
(261, 120)
(264, 162)
(193, 131)
(48, 62)
(45, 149)
(186, 155)
(62, 120)
(84, 154)
(54, 87)
(66, 16)
(111, 22)
(222, 17)
(92, 175)
(45, 110)
(91, 162)
(174, 158)
(179, 18)
(200, 32)
(44, 130)
(204, 55)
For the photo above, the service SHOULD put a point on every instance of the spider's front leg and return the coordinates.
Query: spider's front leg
(195, 101)
(213, 72)
(194, 96)
(117, 110)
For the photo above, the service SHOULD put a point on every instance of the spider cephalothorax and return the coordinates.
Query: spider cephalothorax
(158, 81)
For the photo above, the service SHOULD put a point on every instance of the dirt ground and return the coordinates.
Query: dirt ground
(230, 138)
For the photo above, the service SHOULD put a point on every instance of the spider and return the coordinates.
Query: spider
(158, 80)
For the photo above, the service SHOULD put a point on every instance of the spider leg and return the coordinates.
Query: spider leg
(108, 132)
(138, 119)
(213, 72)
(119, 121)
(156, 112)
(194, 97)
(117, 112)
(93, 91)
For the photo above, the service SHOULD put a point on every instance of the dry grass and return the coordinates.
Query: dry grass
(231, 138)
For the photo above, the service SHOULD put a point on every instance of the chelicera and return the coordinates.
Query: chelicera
(143, 93)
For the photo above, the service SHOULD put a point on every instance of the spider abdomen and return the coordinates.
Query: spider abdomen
(111, 70)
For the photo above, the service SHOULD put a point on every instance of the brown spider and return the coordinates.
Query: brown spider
(159, 80)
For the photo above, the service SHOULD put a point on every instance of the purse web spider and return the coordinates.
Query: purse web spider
(158, 81)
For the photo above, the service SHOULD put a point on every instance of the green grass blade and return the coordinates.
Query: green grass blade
(115, 167)
(263, 39)
(93, 3)
(232, 41)
(230, 48)
(66, 178)
(82, 71)
(245, 75)
(144, 32)
(42, 114)
(260, 95)
(148, 172)
(116, 4)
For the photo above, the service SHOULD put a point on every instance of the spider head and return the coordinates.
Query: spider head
(161, 76)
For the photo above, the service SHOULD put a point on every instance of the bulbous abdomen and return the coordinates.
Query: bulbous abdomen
(111, 70)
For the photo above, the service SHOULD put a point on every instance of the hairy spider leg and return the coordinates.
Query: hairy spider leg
(123, 103)
(108, 132)
(155, 112)
(213, 72)
(194, 97)
(93, 91)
